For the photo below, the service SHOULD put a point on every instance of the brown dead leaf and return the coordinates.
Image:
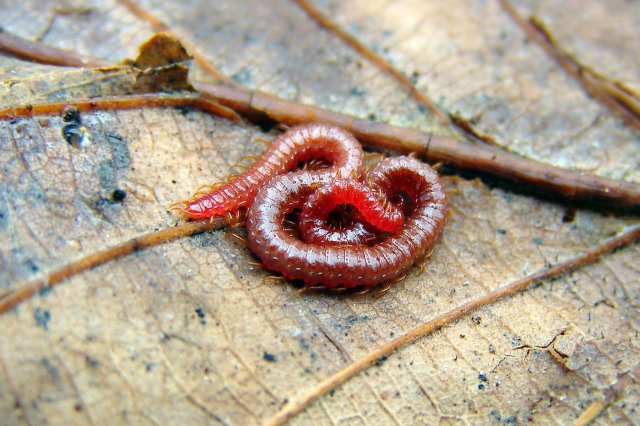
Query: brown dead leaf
(188, 333)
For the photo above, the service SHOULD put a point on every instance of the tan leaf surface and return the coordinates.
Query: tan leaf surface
(188, 333)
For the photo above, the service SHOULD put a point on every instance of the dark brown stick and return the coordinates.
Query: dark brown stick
(22, 292)
(44, 54)
(482, 159)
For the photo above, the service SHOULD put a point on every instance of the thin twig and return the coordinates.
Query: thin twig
(22, 292)
(374, 58)
(483, 159)
(234, 102)
(122, 103)
(298, 404)
(618, 98)
(446, 119)
(44, 54)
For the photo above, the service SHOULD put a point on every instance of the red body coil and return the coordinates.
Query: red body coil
(423, 202)
(300, 144)
(399, 213)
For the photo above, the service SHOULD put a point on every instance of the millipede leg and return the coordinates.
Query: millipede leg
(263, 141)
(378, 294)
(239, 238)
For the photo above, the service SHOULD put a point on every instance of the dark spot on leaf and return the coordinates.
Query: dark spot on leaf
(569, 214)
(354, 319)
(44, 291)
(52, 370)
(356, 91)
(119, 195)
(4, 214)
(42, 317)
(101, 203)
(304, 345)
(31, 265)
(201, 315)
(91, 362)
(184, 109)
(242, 77)
(512, 420)
(75, 134)
(205, 239)
(381, 360)
(269, 357)
(71, 114)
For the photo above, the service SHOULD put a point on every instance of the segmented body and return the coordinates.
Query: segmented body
(398, 214)
(332, 144)
(423, 202)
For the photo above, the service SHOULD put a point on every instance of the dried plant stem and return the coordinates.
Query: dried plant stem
(479, 158)
(296, 405)
(235, 102)
(618, 98)
(122, 103)
(22, 292)
(44, 54)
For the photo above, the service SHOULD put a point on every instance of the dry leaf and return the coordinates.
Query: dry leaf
(187, 332)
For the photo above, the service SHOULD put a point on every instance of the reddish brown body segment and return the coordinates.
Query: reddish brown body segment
(422, 200)
(398, 214)
(299, 144)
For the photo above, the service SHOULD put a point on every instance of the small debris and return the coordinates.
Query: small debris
(119, 195)
(75, 134)
(71, 114)
(269, 357)
(42, 317)
(381, 360)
